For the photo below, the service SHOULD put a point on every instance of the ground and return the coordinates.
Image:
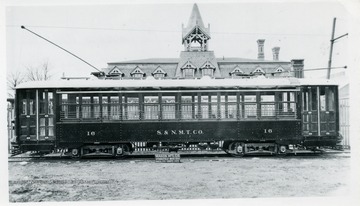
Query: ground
(194, 178)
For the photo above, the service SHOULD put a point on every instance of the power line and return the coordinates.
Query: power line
(315, 69)
(168, 31)
(308, 70)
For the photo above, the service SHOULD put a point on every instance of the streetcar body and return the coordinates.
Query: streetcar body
(240, 116)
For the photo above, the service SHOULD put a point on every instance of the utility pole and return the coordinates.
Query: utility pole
(332, 40)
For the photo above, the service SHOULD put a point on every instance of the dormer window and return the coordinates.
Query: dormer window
(159, 73)
(188, 70)
(237, 72)
(279, 70)
(115, 73)
(258, 71)
(207, 69)
(137, 73)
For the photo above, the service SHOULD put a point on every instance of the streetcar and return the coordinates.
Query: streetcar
(238, 116)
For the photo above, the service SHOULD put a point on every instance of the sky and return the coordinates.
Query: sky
(105, 33)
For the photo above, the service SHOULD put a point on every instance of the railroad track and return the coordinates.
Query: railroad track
(184, 155)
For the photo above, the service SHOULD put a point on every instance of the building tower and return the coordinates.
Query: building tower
(196, 61)
(195, 36)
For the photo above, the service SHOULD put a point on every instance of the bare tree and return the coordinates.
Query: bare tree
(14, 79)
(41, 73)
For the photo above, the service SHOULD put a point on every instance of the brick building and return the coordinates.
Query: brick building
(197, 60)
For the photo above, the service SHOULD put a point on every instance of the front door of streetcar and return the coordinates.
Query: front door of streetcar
(327, 107)
(319, 110)
(36, 115)
(46, 115)
(27, 115)
(310, 111)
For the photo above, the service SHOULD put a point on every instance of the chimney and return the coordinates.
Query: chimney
(297, 67)
(275, 51)
(261, 55)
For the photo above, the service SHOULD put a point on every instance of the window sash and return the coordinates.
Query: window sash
(186, 106)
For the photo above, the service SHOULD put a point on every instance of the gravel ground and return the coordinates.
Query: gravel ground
(194, 178)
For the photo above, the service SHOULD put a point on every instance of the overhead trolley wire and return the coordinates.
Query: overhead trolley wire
(168, 31)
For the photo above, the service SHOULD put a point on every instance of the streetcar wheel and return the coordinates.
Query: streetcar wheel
(236, 149)
(75, 153)
(122, 151)
(282, 149)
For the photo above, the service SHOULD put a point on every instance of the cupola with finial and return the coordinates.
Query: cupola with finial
(195, 37)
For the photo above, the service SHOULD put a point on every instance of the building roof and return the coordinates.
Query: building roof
(268, 68)
(172, 66)
(176, 60)
(147, 68)
(149, 61)
(245, 60)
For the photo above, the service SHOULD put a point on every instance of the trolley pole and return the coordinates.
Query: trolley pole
(332, 40)
(23, 27)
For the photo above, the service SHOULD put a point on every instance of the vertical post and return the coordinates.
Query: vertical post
(160, 112)
(121, 112)
(277, 104)
(178, 106)
(258, 105)
(37, 114)
(331, 48)
(318, 110)
(310, 109)
(226, 112)
(101, 96)
(9, 125)
(141, 107)
(199, 113)
(218, 105)
(238, 100)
